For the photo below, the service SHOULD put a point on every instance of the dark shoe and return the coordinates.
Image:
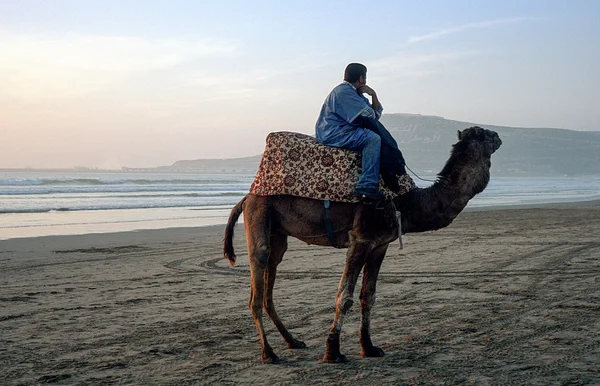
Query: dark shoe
(371, 195)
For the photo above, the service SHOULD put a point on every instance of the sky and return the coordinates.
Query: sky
(116, 83)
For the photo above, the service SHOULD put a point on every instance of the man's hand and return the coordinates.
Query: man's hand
(367, 90)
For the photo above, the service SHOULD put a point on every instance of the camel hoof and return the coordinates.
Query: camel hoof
(296, 344)
(372, 352)
(270, 359)
(335, 359)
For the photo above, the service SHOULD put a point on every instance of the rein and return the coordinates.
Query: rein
(328, 227)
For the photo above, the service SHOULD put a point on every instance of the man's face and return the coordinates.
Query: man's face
(362, 80)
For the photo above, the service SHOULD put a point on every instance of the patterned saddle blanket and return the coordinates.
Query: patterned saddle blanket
(296, 164)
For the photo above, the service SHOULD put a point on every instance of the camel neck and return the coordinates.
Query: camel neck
(438, 205)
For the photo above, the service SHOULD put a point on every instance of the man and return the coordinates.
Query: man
(347, 120)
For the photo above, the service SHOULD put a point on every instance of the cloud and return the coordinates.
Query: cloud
(413, 65)
(277, 78)
(482, 24)
(39, 66)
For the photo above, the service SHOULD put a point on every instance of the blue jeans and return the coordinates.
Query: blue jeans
(392, 160)
(370, 144)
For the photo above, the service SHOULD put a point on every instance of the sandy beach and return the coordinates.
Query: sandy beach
(508, 296)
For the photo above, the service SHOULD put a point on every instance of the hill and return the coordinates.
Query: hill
(426, 142)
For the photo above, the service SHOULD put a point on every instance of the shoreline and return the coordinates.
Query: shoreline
(145, 233)
(545, 205)
(29, 212)
(108, 221)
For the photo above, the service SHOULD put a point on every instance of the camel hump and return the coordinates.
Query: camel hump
(296, 164)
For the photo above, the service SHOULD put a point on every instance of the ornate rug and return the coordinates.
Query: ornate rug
(296, 164)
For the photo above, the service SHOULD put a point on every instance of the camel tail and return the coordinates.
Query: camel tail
(228, 238)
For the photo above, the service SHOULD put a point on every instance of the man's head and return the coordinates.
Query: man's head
(356, 74)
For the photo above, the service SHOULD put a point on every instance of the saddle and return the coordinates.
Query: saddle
(296, 164)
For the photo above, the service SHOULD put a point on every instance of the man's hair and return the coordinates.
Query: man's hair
(354, 71)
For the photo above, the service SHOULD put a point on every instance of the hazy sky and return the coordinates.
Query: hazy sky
(145, 83)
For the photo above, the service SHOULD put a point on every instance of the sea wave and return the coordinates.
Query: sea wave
(119, 206)
(103, 189)
(112, 181)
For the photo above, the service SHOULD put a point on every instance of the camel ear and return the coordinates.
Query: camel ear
(459, 135)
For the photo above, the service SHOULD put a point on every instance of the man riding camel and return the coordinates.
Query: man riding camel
(347, 120)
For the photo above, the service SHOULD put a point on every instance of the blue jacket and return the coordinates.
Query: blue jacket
(341, 107)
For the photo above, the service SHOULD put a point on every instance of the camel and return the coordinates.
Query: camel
(363, 229)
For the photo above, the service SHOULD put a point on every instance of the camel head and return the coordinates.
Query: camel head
(479, 139)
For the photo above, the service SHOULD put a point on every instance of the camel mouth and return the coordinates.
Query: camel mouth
(497, 142)
(493, 139)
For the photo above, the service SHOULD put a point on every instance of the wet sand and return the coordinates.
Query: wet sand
(507, 296)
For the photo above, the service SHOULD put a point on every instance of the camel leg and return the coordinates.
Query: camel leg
(278, 248)
(257, 237)
(367, 300)
(355, 259)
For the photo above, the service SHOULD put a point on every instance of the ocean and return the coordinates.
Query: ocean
(59, 203)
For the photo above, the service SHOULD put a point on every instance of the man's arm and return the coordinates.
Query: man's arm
(377, 109)
(369, 91)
